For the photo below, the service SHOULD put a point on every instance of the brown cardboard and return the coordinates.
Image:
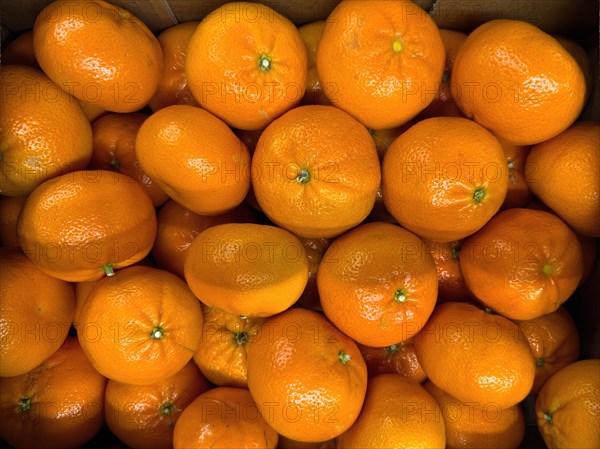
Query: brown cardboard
(553, 16)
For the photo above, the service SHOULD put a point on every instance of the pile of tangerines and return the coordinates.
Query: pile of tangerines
(357, 233)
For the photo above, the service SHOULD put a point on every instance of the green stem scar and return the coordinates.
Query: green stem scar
(108, 269)
(397, 46)
(303, 176)
(392, 349)
(157, 333)
(166, 409)
(400, 295)
(343, 357)
(455, 252)
(488, 311)
(539, 362)
(25, 404)
(547, 269)
(241, 338)
(264, 63)
(479, 194)
(115, 164)
(548, 417)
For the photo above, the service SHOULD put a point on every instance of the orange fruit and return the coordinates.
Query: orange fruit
(246, 64)
(568, 407)
(82, 225)
(91, 110)
(399, 358)
(221, 354)
(580, 55)
(10, 207)
(287, 443)
(177, 227)
(140, 326)
(564, 172)
(315, 250)
(444, 178)
(485, 358)
(443, 105)
(247, 269)
(320, 165)
(479, 425)
(113, 138)
(518, 82)
(173, 87)
(82, 291)
(20, 51)
(311, 36)
(451, 282)
(554, 341)
(43, 131)
(384, 137)
(144, 416)
(307, 378)
(397, 413)
(384, 58)
(194, 158)
(223, 418)
(518, 193)
(98, 52)
(36, 313)
(524, 263)
(59, 404)
(378, 284)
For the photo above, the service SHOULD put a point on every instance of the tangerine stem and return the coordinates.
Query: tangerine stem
(397, 46)
(303, 176)
(108, 269)
(479, 194)
(547, 269)
(115, 164)
(264, 63)
(157, 333)
(241, 338)
(25, 404)
(400, 295)
(343, 357)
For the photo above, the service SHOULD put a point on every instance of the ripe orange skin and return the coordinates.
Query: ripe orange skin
(224, 71)
(99, 53)
(43, 131)
(378, 284)
(221, 354)
(10, 207)
(486, 359)
(518, 193)
(518, 82)
(144, 416)
(397, 413)
(523, 264)
(443, 104)
(247, 269)
(368, 76)
(451, 282)
(113, 138)
(173, 87)
(311, 36)
(177, 228)
(481, 426)
(580, 55)
(223, 418)
(554, 341)
(444, 178)
(307, 377)
(194, 158)
(82, 291)
(20, 51)
(80, 226)
(65, 396)
(399, 358)
(315, 171)
(315, 249)
(568, 407)
(37, 311)
(140, 326)
(564, 172)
